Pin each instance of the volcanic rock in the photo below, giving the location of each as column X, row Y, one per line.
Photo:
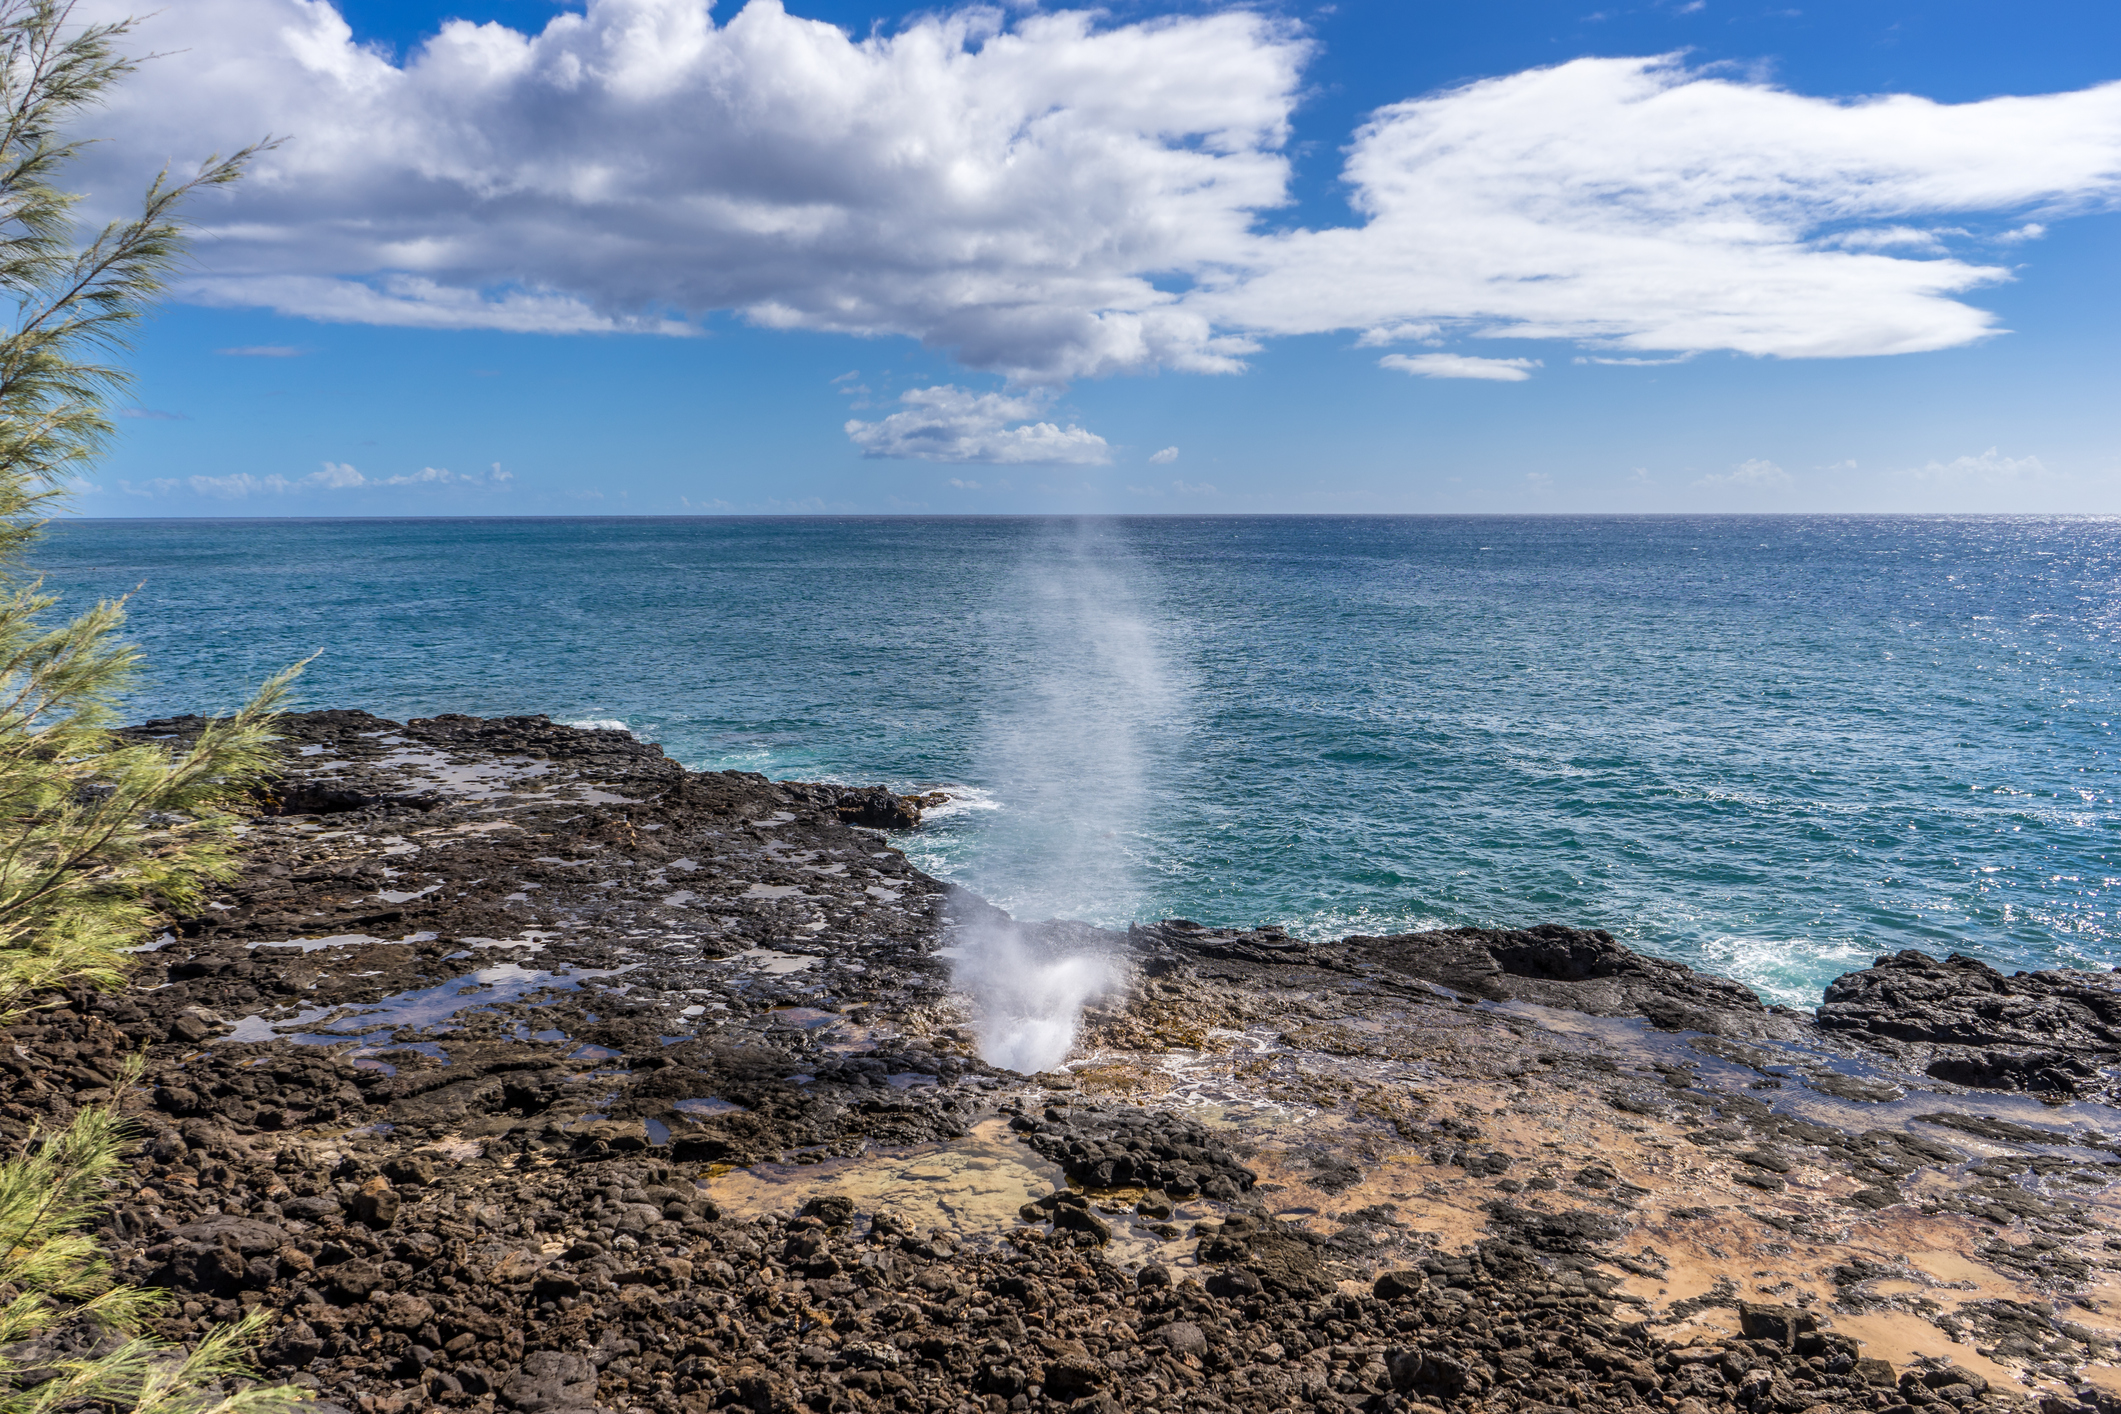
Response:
column 1964, row 1022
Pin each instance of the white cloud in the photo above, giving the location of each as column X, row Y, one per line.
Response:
column 1632, row 362
column 264, row 351
column 1887, row 238
column 1403, row 333
column 1758, row 474
column 1440, row 365
column 1005, row 192
column 1988, row 469
column 335, row 476
column 964, row 485
column 1635, row 203
column 153, row 415
column 1994, row 482
column 235, row 487
column 1163, row 458
column 1058, row 197
column 952, row 424
column 418, row 302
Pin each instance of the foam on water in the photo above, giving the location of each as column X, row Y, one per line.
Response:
column 599, row 724
column 964, row 800
column 1786, row 970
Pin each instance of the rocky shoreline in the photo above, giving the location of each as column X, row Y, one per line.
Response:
column 524, row 1070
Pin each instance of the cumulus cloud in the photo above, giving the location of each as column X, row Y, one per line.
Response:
column 1755, row 475
column 1988, row 469
column 1055, row 196
column 1163, row 458
column 952, row 424
column 334, row 476
column 1637, row 203
column 1442, row 365
column 1009, row 193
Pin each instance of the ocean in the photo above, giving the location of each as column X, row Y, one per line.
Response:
column 1769, row 747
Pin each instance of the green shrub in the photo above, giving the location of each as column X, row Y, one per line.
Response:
column 98, row 836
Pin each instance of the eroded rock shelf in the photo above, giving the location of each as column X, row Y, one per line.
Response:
column 522, row 1069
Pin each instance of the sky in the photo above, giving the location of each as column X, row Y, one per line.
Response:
column 517, row 257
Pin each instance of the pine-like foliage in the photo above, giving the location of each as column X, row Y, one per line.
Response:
column 64, row 1326
column 98, row 835
column 94, row 834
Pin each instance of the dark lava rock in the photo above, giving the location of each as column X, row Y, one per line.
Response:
column 1138, row 1148
column 1270, row 945
column 1582, row 969
column 550, row 1380
column 1781, row 1324
column 495, row 1196
column 871, row 807
column 1965, row 1023
column 1278, row 1257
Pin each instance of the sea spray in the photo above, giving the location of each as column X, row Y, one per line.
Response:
column 1079, row 701
column 1030, row 997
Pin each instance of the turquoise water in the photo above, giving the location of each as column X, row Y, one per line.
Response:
column 1768, row 747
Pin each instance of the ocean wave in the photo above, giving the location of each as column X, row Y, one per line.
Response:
column 600, row 724
column 964, row 800
column 1783, row 971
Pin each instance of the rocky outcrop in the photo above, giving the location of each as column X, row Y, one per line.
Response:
column 1582, row 969
column 1964, row 1022
column 1137, row 1148
column 453, row 1079
column 871, row 807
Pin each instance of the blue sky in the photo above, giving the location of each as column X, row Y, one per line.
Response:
column 518, row 293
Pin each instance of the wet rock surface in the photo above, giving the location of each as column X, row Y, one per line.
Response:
column 524, row 1070
column 1582, row 969
column 1961, row 1021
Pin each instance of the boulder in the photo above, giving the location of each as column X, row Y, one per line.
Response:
column 550, row 1380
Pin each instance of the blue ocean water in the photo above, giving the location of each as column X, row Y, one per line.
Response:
column 1769, row 747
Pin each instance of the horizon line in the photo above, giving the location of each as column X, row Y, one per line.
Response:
column 70, row 519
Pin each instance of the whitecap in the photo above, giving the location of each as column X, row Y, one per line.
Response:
column 964, row 800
